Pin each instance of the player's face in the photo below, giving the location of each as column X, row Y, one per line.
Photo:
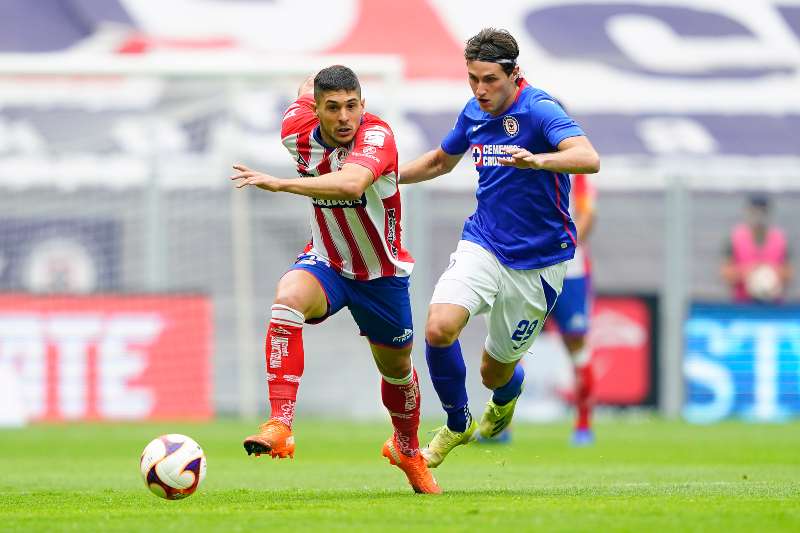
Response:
column 493, row 88
column 339, row 114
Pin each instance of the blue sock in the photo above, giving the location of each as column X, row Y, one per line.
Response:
column 509, row 391
column 449, row 375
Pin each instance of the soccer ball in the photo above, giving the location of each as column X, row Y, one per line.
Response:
column 173, row 466
column 763, row 283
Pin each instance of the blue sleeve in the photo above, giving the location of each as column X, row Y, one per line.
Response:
column 555, row 124
column 456, row 142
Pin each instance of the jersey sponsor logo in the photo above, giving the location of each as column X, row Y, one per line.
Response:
column 378, row 127
column 311, row 259
column 368, row 156
column 337, row 158
column 330, row 204
column 489, row 155
column 578, row 321
column 477, row 154
column 511, row 125
column 404, row 336
column 279, row 348
column 369, row 150
column 292, row 111
column 391, row 232
column 374, row 137
column 278, row 330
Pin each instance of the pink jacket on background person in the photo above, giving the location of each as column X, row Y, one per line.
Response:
column 747, row 254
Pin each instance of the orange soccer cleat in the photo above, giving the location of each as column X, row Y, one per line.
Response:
column 273, row 437
column 415, row 469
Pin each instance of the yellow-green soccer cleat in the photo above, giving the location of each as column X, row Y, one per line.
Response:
column 445, row 440
column 496, row 418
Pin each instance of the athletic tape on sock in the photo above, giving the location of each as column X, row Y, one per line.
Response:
column 400, row 381
column 284, row 314
column 581, row 357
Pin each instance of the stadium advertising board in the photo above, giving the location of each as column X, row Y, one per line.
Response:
column 623, row 350
column 64, row 255
column 108, row 357
column 624, row 344
column 742, row 361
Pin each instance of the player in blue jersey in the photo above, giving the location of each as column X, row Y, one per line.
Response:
column 511, row 259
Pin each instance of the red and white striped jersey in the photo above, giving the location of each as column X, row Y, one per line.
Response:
column 361, row 239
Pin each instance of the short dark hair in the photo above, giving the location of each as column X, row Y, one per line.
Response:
column 335, row 78
column 758, row 201
column 495, row 46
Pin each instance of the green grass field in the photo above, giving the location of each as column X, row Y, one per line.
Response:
column 641, row 476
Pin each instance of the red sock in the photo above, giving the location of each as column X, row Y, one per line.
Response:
column 402, row 402
column 584, row 384
column 285, row 357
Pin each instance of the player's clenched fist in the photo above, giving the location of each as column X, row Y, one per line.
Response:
column 247, row 176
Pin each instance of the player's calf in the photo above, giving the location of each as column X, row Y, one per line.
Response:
column 500, row 409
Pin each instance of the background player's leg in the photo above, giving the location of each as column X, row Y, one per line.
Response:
column 584, row 384
column 572, row 314
column 446, row 363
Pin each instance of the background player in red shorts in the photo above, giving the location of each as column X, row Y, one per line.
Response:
column 347, row 160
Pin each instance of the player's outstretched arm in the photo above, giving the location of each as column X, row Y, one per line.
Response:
column 575, row 155
column 428, row 166
column 346, row 184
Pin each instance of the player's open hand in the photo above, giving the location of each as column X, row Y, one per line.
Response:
column 247, row 177
column 520, row 158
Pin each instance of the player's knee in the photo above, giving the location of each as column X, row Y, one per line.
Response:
column 443, row 326
column 441, row 332
column 395, row 367
column 574, row 342
column 300, row 291
column 292, row 301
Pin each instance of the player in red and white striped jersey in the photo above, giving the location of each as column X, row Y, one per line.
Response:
column 363, row 241
column 347, row 163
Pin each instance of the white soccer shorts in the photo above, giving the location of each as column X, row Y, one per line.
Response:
column 517, row 301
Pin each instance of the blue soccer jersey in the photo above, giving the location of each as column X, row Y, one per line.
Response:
column 522, row 215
